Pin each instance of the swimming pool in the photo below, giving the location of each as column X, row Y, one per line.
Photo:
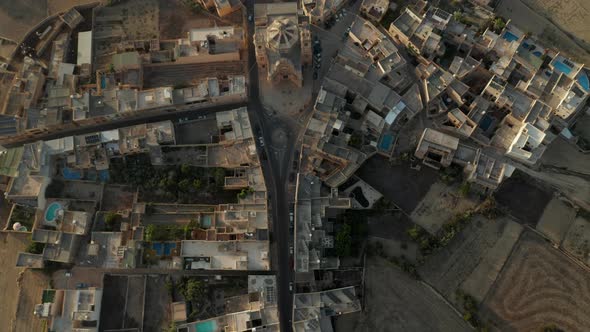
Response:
column 584, row 82
column 163, row 248
column 208, row 326
column 206, row 221
column 385, row 143
column 70, row 174
column 509, row 36
column 53, row 211
column 562, row 67
column 485, row 122
column 538, row 54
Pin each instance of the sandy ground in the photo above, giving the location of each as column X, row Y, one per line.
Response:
column 577, row 240
column 563, row 154
column 18, row 17
column 57, row 6
column 394, row 302
column 539, row 286
column 571, row 16
column 573, row 187
column 440, row 205
column 473, row 259
column 556, row 220
column 533, row 21
column 16, row 311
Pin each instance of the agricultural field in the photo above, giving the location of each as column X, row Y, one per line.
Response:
column 395, row 302
column 539, row 287
column 473, row 259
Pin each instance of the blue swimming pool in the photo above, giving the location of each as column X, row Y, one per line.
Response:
column 486, row 122
column 163, row 248
column 509, row 36
column 562, row 67
column 70, row 174
column 103, row 82
column 206, row 221
column 385, row 143
column 208, row 326
column 584, row 82
column 52, row 211
column 103, row 175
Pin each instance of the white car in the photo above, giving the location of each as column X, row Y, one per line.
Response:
column 291, row 286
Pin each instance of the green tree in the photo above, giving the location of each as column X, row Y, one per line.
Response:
column 150, row 232
column 184, row 185
column 185, row 169
column 35, row 248
column 465, row 189
column 111, row 219
column 498, row 24
column 197, row 184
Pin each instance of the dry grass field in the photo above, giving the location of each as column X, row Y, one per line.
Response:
column 538, row 287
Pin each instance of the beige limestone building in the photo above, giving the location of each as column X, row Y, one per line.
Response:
column 283, row 42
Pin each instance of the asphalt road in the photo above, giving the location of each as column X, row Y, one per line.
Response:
column 275, row 170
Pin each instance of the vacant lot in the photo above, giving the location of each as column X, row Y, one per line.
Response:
column 122, row 302
column 441, row 204
column 523, row 198
column 18, row 302
column 196, row 131
column 395, row 302
column 538, row 287
column 117, row 198
column 157, row 304
column 399, row 184
column 473, row 259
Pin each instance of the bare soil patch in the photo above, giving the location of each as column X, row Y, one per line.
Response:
column 523, row 198
column 441, row 203
column 577, row 240
column 538, row 287
column 398, row 183
column 556, row 220
column 20, row 292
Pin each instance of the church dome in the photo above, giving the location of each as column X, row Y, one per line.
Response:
column 282, row 34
